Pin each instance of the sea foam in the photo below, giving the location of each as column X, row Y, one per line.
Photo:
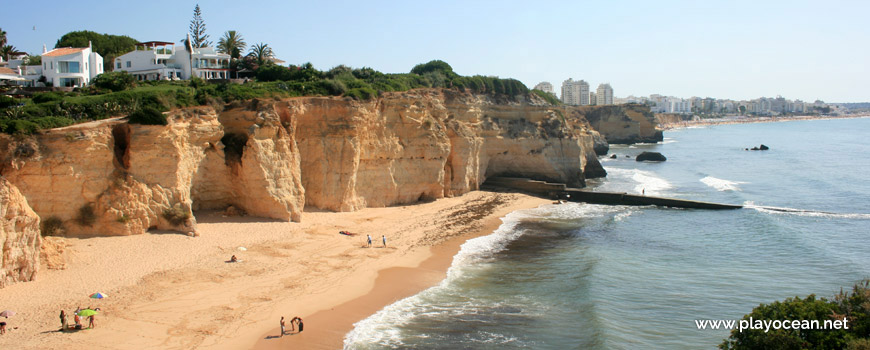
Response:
column 721, row 185
column 805, row 212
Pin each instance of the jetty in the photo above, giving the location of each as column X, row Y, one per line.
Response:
column 562, row 192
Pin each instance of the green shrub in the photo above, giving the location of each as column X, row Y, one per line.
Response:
column 46, row 97
column 361, row 93
column 273, row 73
column 6, row 101
column 148, row 116
column 433, row 66
column 333, row 87
column 115, row 81
column 86, row 215
column 854, row 306
column 51, row 226
column 176, row 215
column 550, row 98
column 18, row 126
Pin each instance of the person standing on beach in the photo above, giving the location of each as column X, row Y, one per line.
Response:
column 282, row 326
column 62, row 320
column 384, row 238
column 368, row 240
column 299, row 320
column 91, row 321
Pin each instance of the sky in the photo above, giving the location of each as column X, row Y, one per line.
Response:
column 737, row 49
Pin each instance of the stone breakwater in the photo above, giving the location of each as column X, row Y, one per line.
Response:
column 271, row 158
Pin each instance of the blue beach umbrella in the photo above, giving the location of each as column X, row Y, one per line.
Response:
column 99, row 295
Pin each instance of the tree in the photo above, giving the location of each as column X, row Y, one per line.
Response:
column 107, row 45
column 2, row 37
column 261, row 53
column 6, row 51
column 33, row 60
column 434, row 66
column 198, row 36
column 231, row 43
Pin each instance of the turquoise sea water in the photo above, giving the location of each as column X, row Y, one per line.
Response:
column 585, row 276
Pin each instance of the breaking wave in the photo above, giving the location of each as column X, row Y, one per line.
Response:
column 722, row 185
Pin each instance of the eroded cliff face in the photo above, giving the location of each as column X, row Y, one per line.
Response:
column 19, row 236
column 622, row 124
column 427, row 144
column 270, row 158
column 114, row 178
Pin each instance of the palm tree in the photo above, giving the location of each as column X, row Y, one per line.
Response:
column 232, row 43
column 6, row 51
column 2, row 37
column 261, row 53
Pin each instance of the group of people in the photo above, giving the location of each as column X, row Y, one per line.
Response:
column 369, row 240
column 297, row 321
column 64, row 321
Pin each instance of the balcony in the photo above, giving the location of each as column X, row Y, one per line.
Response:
column 211, row 66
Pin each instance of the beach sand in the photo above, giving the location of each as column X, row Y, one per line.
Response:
column 171, row 291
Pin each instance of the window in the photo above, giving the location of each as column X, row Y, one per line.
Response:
column 68, row 67
column 69, row 82
column 129, row 64
column 118, row 65
column 86, row 66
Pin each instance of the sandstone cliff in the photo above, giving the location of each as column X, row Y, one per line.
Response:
column 114, row 178
column 273, row 157
column 19, row 236
column 623, row 124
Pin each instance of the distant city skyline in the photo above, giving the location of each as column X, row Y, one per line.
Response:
column 737, row 50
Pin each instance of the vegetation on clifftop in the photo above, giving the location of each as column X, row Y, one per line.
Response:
column 118, row 94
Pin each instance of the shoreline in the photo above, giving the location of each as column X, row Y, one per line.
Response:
column 171, row 291
column 723, row 121
column 327, row 327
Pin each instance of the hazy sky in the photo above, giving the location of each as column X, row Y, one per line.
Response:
column 725, row 49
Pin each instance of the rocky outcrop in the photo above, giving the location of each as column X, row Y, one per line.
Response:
column 623, row 124
column 650, row 157
column 19, row 237
column 270, row 158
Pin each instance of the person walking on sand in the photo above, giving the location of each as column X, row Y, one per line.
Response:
column 368, row 240
column 91, row 322
column 282, row 326
column 62, row 320
column 384, row 238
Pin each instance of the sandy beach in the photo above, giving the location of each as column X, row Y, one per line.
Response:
column 171, row 291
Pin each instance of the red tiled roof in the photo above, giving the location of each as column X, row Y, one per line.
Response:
column 63, row 51
column 7, row 71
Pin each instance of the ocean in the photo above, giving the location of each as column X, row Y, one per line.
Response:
column 584, row 276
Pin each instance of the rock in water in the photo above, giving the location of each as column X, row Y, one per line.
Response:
column 650, row 157
column 763, row 147
column 613, row 156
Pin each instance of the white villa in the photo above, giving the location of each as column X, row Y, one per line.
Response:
column 155, row 60
column 71, row 66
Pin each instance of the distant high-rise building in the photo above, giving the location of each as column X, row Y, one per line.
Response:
column 593, row 100
column 575, row 93
column 604, row 95
column 545, row 86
